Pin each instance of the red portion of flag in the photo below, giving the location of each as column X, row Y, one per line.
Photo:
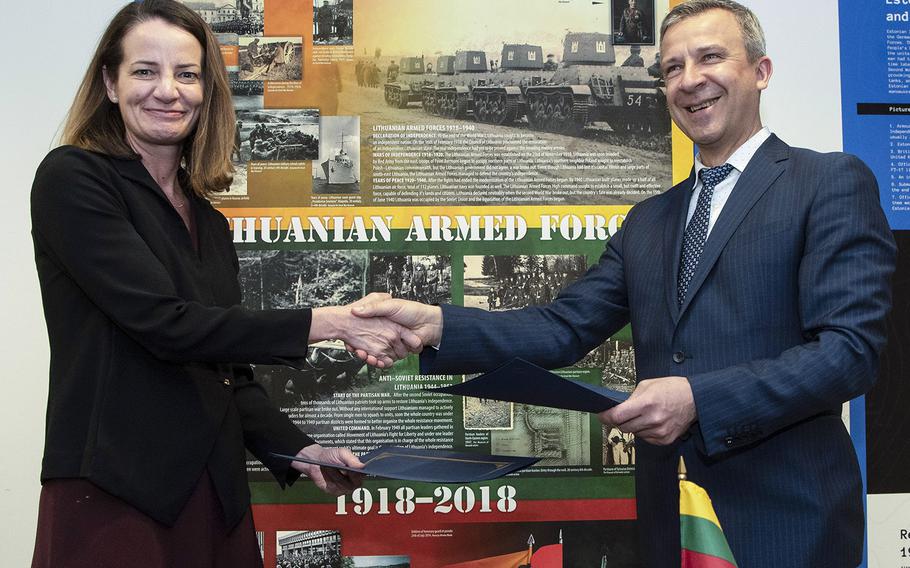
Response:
column 692, row 559
column 549, row 556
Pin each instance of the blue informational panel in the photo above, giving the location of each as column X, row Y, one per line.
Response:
column 875, row 78
column 875, row 71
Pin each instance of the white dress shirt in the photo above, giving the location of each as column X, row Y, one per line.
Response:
column 739, row 160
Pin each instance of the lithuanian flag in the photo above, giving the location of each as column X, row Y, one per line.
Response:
column 703, row 542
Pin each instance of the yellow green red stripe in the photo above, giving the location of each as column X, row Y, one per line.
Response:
column 700, row 533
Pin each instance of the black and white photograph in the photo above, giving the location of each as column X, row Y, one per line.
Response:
column 270, row 58
column 281, row 279
column 333, row 22
column 231, row 17
column 568, row 129
column 426, row 278
column 616, row 357
column 633, row 22
column 618, row 363
column 308, row 549
column 247, row 96
column 508, row 282
column 246, row 90
column 276, row 134
column 485, row 413
column 378, row 562
column 328, row 368
column 368, row 74
column 560, row 438
column 618, row 448
column 338, row 168
column 272, row 279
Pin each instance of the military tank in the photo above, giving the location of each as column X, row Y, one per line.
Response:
column 492, row 97
column 587, row 88
column 444, row 97
column 406, row 87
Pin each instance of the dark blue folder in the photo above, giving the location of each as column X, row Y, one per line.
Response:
column 524, row 382
column 435, row 466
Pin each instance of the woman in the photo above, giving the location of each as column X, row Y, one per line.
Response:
column 151, row 396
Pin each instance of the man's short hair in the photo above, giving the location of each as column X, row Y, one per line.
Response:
column 753, row 36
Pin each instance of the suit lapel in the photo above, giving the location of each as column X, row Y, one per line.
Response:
column 673, row 236
column 764, row 168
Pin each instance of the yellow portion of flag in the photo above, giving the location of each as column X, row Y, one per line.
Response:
column 694, row 501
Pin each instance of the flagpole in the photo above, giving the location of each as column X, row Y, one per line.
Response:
column 681, row 471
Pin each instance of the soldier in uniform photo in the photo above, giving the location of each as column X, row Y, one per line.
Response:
column 550, row 64
column 632, row 24
column 634, row 59
column 325, row 16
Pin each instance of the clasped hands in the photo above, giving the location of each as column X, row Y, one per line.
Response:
column 378, row 328
column 385, row 329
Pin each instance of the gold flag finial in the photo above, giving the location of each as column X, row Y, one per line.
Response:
column 682, row 468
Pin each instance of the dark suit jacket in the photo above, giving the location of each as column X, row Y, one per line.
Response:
column 144, row 333
column 784, row 322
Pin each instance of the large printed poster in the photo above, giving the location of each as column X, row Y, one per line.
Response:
column 875, row 68
column 478, row 153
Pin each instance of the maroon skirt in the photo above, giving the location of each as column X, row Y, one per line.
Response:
column 81, row 526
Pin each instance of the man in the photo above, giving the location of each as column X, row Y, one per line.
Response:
column 245, row 7
column 419, row 283
column 635, row 59
column 432, row 283
column 252, row 51
column 235, row 151
column 550, row 64
column 757, row 292
column 325, row 16
column 391, row 279
column 341, row 25
column 392, row 72
column 631, row 24
column 654, row 68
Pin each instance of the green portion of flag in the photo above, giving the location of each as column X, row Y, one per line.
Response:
column 701, row 535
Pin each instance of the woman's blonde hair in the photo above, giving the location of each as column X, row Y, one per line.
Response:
column 94, row 122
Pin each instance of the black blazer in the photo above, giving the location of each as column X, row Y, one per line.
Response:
column 145, row 333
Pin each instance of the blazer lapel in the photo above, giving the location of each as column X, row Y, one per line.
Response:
column 134, row 170
column 673, row 237
column 764, row 168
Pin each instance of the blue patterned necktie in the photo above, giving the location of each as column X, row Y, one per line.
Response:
column 697, row 230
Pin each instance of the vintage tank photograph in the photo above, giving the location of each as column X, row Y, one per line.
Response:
column 504, row 108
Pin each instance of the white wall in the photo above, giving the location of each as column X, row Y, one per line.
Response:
column 49, row 45
column 802, row 104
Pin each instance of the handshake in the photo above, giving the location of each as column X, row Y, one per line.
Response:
column 380, row 329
